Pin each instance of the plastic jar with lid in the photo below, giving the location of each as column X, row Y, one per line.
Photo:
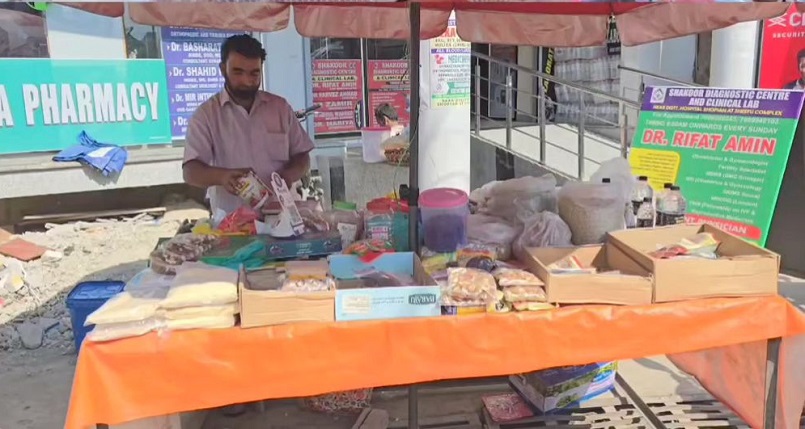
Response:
column 444, row 218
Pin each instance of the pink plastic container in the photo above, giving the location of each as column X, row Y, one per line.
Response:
column 444, row 218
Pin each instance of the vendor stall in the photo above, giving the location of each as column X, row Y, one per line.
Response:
column 192, row 369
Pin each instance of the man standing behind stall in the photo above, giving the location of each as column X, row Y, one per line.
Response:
column 243, row 129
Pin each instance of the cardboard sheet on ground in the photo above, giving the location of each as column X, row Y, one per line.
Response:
column 155, row 375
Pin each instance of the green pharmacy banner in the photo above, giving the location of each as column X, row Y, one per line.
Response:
column 726, row 148
column 45, row 104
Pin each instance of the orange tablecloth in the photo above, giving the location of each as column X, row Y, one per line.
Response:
column 180, row 371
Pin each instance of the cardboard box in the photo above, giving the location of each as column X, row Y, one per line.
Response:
column 265, row 305
column 566, row 387
column 632, row 288
column 744, row 269
column 355, row 302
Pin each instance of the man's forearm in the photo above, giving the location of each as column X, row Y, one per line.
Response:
column 200, row 175
column 296, row 168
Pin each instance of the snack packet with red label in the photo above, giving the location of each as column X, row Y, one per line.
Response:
column 240, row 221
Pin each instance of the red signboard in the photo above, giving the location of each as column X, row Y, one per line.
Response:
column 782, row 61
column 337, row 86
column 388, row 82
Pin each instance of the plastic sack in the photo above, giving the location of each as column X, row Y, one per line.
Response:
column 128, row 306
column 118, row 331
column 211, row 322
column 494, row 231
column 544, row 229
column 498, row 198
column 591, row 210
column 347, row 402
column 516, row 277
column 619, row 172
column 206, row 311
column 199, row 285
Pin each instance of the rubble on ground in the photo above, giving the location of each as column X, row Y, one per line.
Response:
column 33, row 313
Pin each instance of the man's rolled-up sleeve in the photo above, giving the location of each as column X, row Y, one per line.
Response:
column 299, row 140
column 198, row 141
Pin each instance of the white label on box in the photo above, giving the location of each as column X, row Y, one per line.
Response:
column 357, row 304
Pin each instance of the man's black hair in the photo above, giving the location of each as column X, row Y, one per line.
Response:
column 243, row 44
column 801, row 55
column 385, row 111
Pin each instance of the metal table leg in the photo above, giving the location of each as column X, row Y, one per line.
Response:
column 413, row 407
column 772, row 375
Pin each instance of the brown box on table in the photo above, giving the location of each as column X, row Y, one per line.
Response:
column 632, row 287
column 743, row 268
column 263, row 304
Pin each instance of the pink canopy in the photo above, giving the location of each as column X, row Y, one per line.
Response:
column 558, row 24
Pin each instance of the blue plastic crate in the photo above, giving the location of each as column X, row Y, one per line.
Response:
column 85, row 298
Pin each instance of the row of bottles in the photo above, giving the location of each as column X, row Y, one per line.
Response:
column 643, row 210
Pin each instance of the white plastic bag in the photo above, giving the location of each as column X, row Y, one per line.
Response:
column 619, row 173
column 591, row 210
column 537, row 192
column 544, row 229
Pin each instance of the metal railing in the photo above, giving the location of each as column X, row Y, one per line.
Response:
column 548, row 131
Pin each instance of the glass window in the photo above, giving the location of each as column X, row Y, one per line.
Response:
column 388, row 79
column 142, row 41
column 337, row 84
column 23, row 32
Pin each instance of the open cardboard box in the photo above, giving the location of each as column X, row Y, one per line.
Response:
column 355, row 301
column 263, row 304
column 742, row 269
column 632, row 287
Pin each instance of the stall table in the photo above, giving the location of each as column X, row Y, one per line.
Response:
column 172, row 372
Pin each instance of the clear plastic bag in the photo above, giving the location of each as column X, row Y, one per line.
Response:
column 494, row 231
column 469, row 287
column 118, row 331
column 591, row 210
column 515, row 294
column 347, row 402
column 498, row 198
column 544, row 229
column 516, row 277
column 128, row 306
column 199, row 285
column 211, row 322
column 199, row 312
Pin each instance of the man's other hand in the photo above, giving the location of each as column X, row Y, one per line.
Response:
column 229, row 178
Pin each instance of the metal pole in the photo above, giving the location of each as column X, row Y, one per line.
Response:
column 541, row 105
column 625, row 135
column 772, row 375
column 543, row 118
column 477, row 97
column 581, row 135
column 413, row 169
column 509, row 108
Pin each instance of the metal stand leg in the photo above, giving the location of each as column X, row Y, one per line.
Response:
column 642, row 408
column 413, row 407
column 772, row 374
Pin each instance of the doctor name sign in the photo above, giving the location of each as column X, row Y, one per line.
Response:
column 45, row 104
